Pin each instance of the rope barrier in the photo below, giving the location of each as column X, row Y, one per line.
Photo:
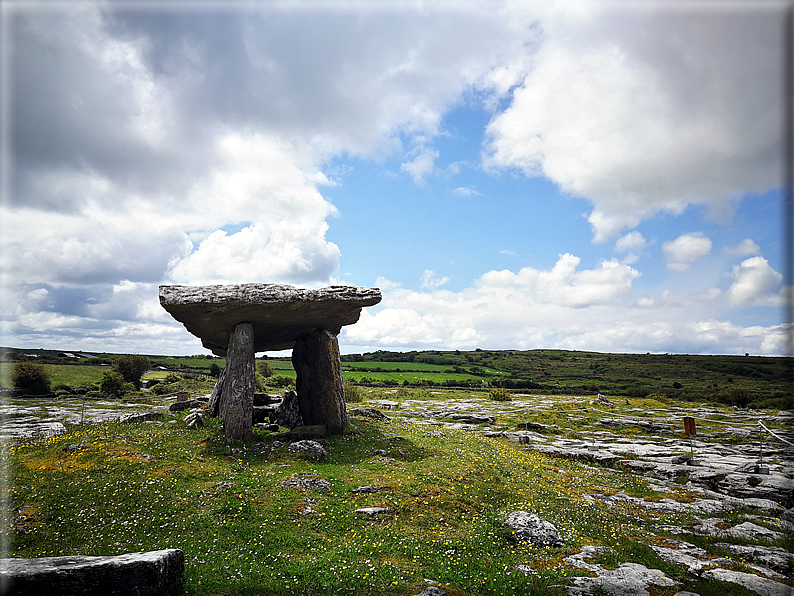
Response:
column 779, row 438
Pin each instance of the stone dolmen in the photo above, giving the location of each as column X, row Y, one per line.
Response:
column 237, row 321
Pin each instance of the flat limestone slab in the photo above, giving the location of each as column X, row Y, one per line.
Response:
column 280, row 314
column 152, row 573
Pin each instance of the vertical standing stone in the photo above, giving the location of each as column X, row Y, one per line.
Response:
column 217, row 393
column 320, row 388
column 237, row 396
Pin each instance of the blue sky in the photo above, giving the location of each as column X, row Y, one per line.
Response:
column 558, row 174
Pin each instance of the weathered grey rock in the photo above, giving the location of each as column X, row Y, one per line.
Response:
column 215, row 396
column 151, row 573
column 279, row 314
column 321, row 389
column 368, row 489
column 368, row 413
column 528, row 527
column 372, row 511
column 142, row 417
column 316, row 432
column 773, row 557
column 629, row 579
column 179, row 406
column 306, row 482
column 689, row 555
column 755, row 583
column 311, row 447
column 288, row 413
column 472, row 418
column 237, row 396
column 262, row 414
column 432, row 591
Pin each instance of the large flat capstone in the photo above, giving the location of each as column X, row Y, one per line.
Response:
column 279, row 314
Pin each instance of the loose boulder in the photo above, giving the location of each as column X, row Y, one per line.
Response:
column 528, row 527
column 153, row 573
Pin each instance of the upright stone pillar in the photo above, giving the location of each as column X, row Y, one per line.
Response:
column 237, row 395
column 320, row 388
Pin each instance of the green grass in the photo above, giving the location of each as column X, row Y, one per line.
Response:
column 448, row 493
column 74, row 375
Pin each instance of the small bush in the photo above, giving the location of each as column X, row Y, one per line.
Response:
column 172, row 378
column 280, row 381
column 63, row 388
column 264, row 369
column 112, row 384
column 131, row 367
column 215, row 370
column 30, row 378
column 353, row 393
column 500, row 394
column 160, row 389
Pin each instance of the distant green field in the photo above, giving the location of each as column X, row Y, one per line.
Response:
column 393, row 366
column 285, row 364
column 188, row 362
column 64, row 374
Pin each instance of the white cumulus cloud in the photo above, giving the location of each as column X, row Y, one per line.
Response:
column 755, row 282
column 745, row 248
column 681, row 252
column 636, row 112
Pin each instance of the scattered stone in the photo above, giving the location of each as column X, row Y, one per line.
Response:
column 689, row 555
column 473, row 419
column 604, row 400
column 195, row 419
column 432, row 591
column 629, row 579
column 141, row 417
column 384, row 460
column 532, row 426
column 178, row 406
column 750, row 531
column 267, row 427
column 224, row 485
column 385, row 404
column 153, row 573
column 315, row 432
column 368, row 413
column 369, row 489
column 760, row 585
column 306, row 482
column 773, row 557
column 372, row 511
column 74, row 448
column 311, row 447
column 528, row 527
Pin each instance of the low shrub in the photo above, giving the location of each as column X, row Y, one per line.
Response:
column 112, row 384
column 353, row 393
column 280, row 381
column 30, row 378
column 500, row 394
